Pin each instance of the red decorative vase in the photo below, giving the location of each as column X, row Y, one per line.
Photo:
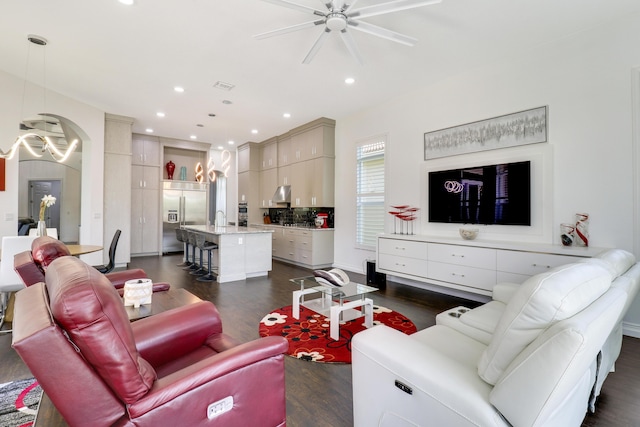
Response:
column 170, row 168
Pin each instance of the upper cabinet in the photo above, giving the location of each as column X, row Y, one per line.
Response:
column 269, row 154
column 313, row 140
column 249, row 157
column 284, row 150
column 145, row 150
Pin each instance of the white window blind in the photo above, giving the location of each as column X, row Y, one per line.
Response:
column 369, row 192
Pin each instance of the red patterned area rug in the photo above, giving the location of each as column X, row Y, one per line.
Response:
column 309, row 336
column 19, row 402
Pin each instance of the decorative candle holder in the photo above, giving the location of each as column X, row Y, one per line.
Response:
column 567, row 234
column 582, row 229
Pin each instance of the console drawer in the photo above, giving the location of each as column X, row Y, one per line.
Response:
column 462, row 255
column 462, row 275
column 404, row 265
column 530, row 263
column 403, row 248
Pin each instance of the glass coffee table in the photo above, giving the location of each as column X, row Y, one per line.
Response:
column 338, row 303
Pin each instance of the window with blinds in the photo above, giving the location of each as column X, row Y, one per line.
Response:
column 369, row 192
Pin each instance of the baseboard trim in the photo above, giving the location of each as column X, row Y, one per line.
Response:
column 631, row 329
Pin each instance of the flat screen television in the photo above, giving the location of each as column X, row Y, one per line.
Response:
column 493, row 194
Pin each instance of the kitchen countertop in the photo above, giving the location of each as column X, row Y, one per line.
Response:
column 295, row 227
column 226, row 229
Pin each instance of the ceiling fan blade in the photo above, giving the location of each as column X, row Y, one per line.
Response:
column 382, row 32
column 348, row 6
column 316, row 46
column 289, row 29
column 337, row 5
column 352, row 47
column 392, row 6
column 296, row 6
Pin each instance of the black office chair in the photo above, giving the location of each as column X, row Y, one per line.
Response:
column 104, row 269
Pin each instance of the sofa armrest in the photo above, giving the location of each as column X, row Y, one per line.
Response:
column 504, row 291
column 173, row 333
column 27, row 269
column 445, row 392
column 206, row 377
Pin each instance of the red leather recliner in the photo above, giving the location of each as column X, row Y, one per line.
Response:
column 31, row 265
column 174, row 368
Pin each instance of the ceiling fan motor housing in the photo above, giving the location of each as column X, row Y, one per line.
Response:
column 336, row 21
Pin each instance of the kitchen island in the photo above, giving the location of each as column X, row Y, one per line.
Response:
column 242, row 251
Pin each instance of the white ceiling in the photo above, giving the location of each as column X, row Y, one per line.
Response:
column 126, row 59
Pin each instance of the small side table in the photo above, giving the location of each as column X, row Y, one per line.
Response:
column 332, row 302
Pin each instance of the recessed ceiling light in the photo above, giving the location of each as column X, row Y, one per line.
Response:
column 286, row 115
column 231, row 142
column 220, row 147
column 160, row 114
column 179, row 89
column 254, row 131
column 349, row 80
column 149, row 130
column 193, row 137
column 127, row 2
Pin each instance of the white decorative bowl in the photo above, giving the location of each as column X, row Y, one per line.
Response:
column 469, row 233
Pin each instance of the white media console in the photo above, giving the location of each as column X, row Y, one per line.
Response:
column 470, row 265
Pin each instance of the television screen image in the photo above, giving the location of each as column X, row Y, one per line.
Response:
column 494, row 194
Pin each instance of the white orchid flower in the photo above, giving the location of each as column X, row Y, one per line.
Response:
column 49, row 200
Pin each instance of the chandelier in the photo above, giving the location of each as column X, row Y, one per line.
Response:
column 35, row 143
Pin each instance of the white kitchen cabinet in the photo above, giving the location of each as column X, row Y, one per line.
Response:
column 311, row 248
column 315, row 139
column 249, row 192
column 145, row 210
column 472, row 266
column 145, row 150
column 268, row 185
column 284, row 175
column 269, row 155
column 284, row 150
column 312, row 183
column 249, row 157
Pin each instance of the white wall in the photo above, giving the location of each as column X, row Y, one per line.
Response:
column 90, row 119
column 585, row 80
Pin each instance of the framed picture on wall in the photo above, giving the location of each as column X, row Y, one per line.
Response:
column 510, row 130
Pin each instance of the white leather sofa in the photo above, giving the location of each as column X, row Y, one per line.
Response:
column 479, row 323
column 531, row 362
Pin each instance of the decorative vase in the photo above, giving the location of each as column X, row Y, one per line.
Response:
column 183, row 173
column 582, row 229
column 41, row 230
column 170, row 168
column 567, row 234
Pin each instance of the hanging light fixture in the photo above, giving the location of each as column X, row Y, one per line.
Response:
column 33, row 142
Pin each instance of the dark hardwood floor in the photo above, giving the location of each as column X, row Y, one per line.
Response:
column 319, row 394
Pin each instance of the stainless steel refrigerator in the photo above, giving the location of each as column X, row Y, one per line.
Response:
column 183, row 203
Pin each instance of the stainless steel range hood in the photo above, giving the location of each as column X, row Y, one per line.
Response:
column 282, row 194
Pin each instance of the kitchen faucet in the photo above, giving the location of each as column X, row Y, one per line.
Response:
column 224, row 219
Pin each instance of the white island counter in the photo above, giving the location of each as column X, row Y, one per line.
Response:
column 242, row 251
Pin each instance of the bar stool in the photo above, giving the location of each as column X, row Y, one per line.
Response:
column 200, row 270
column 190, row 237
column 204, row 245
column 180, row 237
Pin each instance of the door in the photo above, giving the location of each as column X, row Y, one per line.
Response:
column 37, row 190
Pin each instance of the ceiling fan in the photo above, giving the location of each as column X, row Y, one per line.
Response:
column 340, row 17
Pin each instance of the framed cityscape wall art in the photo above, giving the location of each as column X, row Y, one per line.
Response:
column 510, row 130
